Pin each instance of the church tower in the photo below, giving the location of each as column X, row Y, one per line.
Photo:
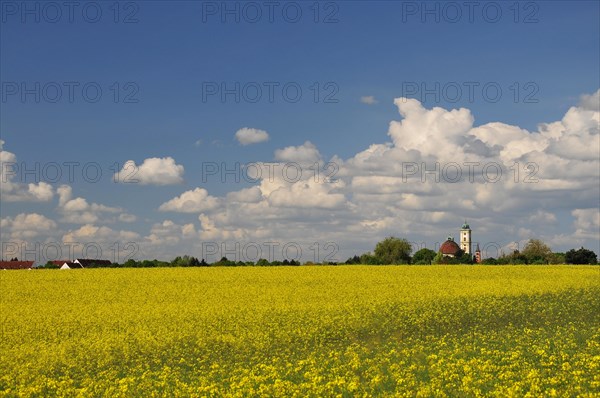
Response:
column 465, row 238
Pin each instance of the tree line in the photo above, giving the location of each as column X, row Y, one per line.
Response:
column 394, row 250
column 391, row 250
column 184, row 261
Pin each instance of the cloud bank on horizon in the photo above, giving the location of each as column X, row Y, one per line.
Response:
column 437, row 169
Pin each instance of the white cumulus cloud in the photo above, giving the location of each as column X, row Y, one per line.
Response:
column 194, row 201
column 79, row 210
column 304, row 154
column 248, row 136
column 152, row 171
column 28, row 225
column 13, row 190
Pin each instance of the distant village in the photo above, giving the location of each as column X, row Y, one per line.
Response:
column 389, row 251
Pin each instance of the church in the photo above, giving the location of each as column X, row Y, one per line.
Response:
column 450, row 248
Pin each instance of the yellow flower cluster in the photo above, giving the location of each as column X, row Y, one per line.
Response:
column 349, row 331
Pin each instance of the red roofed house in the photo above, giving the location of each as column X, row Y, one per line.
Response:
column 16, row 264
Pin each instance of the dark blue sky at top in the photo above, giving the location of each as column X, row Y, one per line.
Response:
column 374, row 49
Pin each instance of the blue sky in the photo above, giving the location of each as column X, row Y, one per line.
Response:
column 368, row 54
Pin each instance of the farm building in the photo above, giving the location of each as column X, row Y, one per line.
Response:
column 91, row 263
column 70, row 265
column 16, row 264
column 58, row 263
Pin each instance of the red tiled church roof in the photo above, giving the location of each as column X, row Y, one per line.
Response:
column 449, row 247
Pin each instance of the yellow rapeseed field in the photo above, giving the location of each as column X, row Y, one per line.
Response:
column 311, row 331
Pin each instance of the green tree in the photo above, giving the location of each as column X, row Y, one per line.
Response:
column 177, row 261
column 49, row 265
column 148, row 264
column 515, row 257
column 369, row 259
column 393, row 250
column 353, row 260
column 536, row 252
column 131, row 263
column 465, row 258
column 459, row 258
column 423, row 256
column 557, row 258
column 580, row 256
column 194, row 262
column 185, row 261
column 224, row 261
column 489, row 261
